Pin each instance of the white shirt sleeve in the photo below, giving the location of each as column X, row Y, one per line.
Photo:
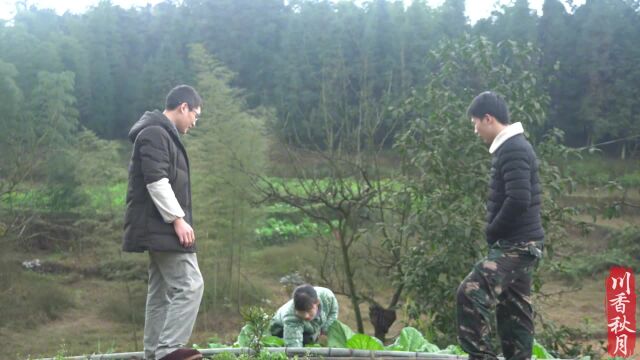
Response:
column 165, row 200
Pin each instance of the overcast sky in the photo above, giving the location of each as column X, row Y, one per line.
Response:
column 476, row 9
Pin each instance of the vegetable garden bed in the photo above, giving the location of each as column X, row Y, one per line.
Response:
column 325, row 353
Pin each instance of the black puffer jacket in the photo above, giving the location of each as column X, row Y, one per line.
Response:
column 157, row 153
column 515, row 196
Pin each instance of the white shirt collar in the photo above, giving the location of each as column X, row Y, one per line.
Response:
column 504, row 135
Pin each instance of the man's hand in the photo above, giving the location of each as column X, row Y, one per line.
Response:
column 185, row 232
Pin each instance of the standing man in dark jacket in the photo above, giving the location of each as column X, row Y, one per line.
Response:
column 158, row 220
column 501, row 282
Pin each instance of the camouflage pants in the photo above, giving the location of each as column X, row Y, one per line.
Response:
column 501, row 282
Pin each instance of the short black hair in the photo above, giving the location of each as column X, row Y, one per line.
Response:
column 304, row 296
column 183, row 94
column 489, row 102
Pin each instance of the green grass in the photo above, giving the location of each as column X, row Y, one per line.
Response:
column 278, row 261
column 97, row 198
column 598, row 170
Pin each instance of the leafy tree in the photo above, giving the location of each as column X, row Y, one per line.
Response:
column 99, row 165
column 602, row 65
column 53, row 109
column 554, row 39
column 164, row 49
column 246, row 35
column 447, row 171
column 28, row 54
column 14, row 169
column 380, row 42
column 451, row 19
column 419, row 36
column 37, row 145
column 227, row 145
column 54, row 123
column 310, row 56
column 516, row 22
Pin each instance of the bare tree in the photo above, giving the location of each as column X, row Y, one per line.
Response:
column 343, row 184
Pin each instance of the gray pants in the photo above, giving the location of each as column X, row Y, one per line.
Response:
column 173, row 299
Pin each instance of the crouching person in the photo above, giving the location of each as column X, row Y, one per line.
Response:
column 306, row 317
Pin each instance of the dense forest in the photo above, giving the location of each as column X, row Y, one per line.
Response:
column 300, row 56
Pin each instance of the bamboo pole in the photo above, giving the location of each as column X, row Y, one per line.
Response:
column 325, row 353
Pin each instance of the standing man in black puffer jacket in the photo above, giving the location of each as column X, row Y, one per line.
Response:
column 501, row 282
column 158, row 220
